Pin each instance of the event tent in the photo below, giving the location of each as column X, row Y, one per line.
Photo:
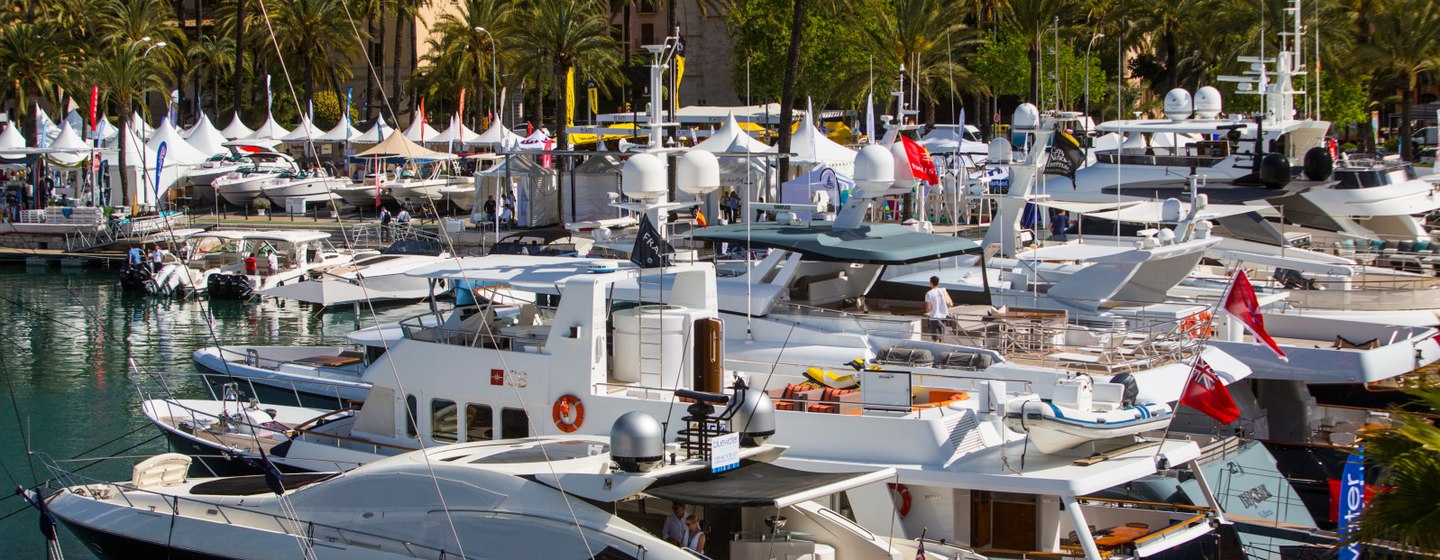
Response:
column 530, row 185
column 140, row 127
column 304, row 132
column 420, row 130
column 12, row 139
column 457, row 135
column 812, row 146
column 497, row 136
column 236, row 129
column 342, row 132
column 807, row 188
column 586, row 191
column 205, row 138
column 398, row 149
column 70, row 151
column 377, row 132
column 270, row 130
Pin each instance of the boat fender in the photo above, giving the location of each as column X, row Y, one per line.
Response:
column 1318, row 163
column 1131, row 391
column 568, row 413
column 904, row 493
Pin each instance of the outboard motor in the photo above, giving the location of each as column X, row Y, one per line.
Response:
column 1318, row 164
column 637, row 442
column 753, row 415
column 1131, row 392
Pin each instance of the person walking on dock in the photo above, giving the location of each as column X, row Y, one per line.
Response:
column 403, row 218
column 157, row 258
column 384, row 222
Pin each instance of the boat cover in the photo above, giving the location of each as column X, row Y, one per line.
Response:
column 756, row 484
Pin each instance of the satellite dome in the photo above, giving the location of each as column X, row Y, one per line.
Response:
column 1026, row 116
column 697, row 172
column 1207, row 102
column 873, row 164
column 643, row 177
column 1178, row 104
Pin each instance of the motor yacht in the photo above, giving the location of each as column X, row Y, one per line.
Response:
column 310, row 186
column 243, row 185
column 378, row 278
column 221, row 256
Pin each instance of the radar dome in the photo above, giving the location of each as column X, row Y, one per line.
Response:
column 1178, row 104
column 697, row 172
column 1207, row 102
column 637, row 442
column 874, row 164
column 643, row 177
column 1026, row 116
column 999, row 151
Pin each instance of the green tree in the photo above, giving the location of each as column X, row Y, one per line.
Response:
column 33, row 61
column 466, row 55
column 313, row 40
column 1037, row 21
column 930, row 39
column 836, row 51
column 1407, row 455
column 559, row 35
column 1404, row 52
column 123, row 72
column 212, row 57
column 997, row 61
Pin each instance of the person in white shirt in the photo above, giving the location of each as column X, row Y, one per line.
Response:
column 272, row 263
column 674, row 530
column 157, row 258
column 403, row 218
column 937, row 308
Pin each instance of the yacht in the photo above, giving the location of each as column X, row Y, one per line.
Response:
column 243, row 185
column 409, row 188
column 310, row 186
column 221, row 256
column 553, row 496
column 375, row 278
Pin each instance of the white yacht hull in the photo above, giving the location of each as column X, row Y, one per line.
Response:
column 241, row 191
column 361, row 196
column 312, row 190
column 277, row 367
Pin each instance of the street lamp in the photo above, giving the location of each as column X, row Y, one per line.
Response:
column 1087, row 73
column 494, row 70
column 144, row 165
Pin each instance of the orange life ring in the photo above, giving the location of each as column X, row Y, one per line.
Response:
column 1199, row 325
column 904, row 508
column 568, row 413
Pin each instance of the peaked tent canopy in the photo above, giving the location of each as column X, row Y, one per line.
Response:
column 105, row 131
column 11, row 139
column 497, row 135
column 731, row 138
column 177, row 150
column 420, row 130
column 377, row 132
column 397, row 148
column 70, row 150
column 341, row 132
column 236, row 129
column 77, row 122
column 810, row 145
column 270, row 130
column 47, row 126
column 304, row 132
column 458, row 133
column 140, row 127
column 205, row 138
column 530, row 185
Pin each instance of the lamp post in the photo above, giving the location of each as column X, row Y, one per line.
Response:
column 1087, row 73
column 494, row 70
column 145, row 165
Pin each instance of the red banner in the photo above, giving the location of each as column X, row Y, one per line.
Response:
column 94, row 100
column 921, row 166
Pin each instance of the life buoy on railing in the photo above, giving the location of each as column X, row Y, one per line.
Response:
column 568, row 413
column 1199, row 325
column 904, row 507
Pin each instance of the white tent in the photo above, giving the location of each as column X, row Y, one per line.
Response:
column 236, row 129
column 47, row 127
column 457, row 134
column 531, row 186
column 751, row 176
column 498, row 136
column 107, row 132
column 810, row 145
column 205, row 138
column 398, row 147
column 950, row 139
column 377, row 132
column 76, row 121
column 304, row 132
column 732, row 138
column 11, row 139
column 139, row 126
column 535, row 141
column 806, row 189
column 588, row 196
column 421, row 131
column 177, row 150
column 270, row 130
column 71, row 150
column 140, row 165
column 341, row 132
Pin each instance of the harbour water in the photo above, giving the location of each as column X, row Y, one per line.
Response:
column 66, row 339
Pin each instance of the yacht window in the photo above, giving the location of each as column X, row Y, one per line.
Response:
column 444, row 421
column 514, row 423
column 410, row 415
column 479, row 423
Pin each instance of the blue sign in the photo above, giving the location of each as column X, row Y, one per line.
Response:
column 159, row 165
column 1352, row 499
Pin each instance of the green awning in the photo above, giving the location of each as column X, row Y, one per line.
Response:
column 869, row 243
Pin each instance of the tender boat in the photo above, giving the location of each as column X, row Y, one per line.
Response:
column 1083, row 411
column 222, row 254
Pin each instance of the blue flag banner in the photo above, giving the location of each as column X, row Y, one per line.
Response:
column 1352, row 500
column 159, row 166
column 345, row 117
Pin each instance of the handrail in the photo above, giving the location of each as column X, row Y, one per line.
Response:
column 1186, row 524
column 1161, row 506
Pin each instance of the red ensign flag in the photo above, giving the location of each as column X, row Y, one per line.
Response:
column 1206, row 393
column 1241, row 304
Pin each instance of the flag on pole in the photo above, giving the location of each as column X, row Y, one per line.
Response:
column 460, row 112
column 1351, row 502
column 94, row 101
column 345, row 117
column 1241, row 304
column 570, row 97
column 921, row 166
column 700, row 218
column 269, row 94
column 869, row 127
column 159, row 166
column 679, row 75
column 1206, row 393
column 423, row 120
column 379, row 180
column 594, row 95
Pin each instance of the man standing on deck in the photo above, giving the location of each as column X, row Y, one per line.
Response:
column 1058, row 225
column 674, row 530
column 272, row 263
column 937, row 308
column 157, row 258
column 136, row 255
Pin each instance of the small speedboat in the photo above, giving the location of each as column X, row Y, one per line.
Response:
column 1083, row 411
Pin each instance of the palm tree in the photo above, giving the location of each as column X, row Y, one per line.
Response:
column 467, row 53
column 930, row 39
column 1035, row 18
column 406, row 11
column 559, row 35
column 212, row 56
column 33, row 61
column 312, row 38
column 1408, row 456
column 123, row 71
column 1404, row 50
column 235, row 20
column 370, row 10
column 787, row 88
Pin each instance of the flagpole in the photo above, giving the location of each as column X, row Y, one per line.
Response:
column 1212, row 309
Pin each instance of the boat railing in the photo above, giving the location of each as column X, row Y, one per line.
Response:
column 168, row 384
column 251, row 357
column 1156, row 158
column 497, row 334
column 216, row 512
column 1180, row 518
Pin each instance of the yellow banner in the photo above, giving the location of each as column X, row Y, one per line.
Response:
column 679, row 75
column 570, row 97
column 594, row 100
